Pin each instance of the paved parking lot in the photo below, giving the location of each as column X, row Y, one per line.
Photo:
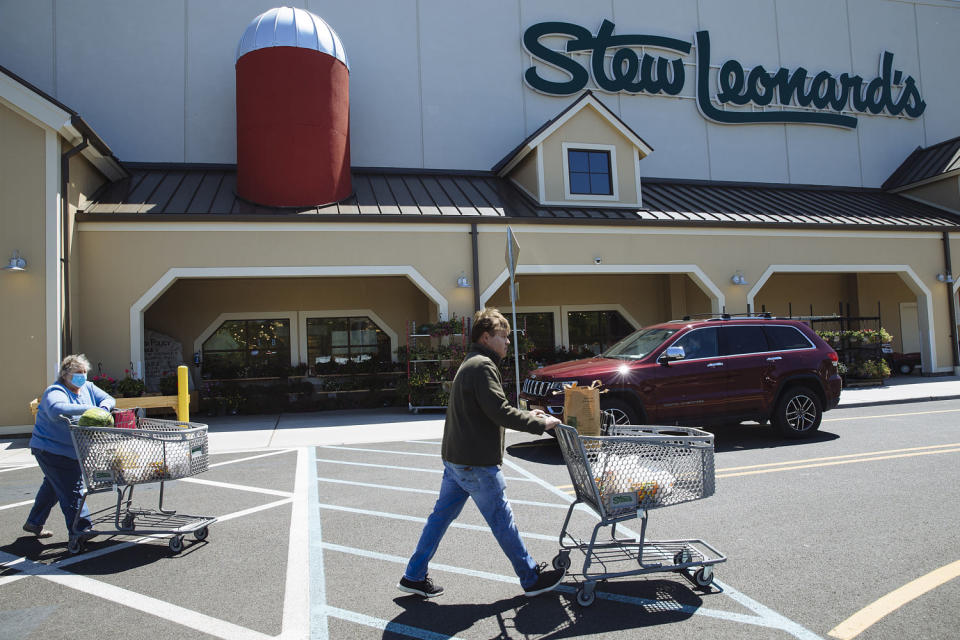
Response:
column 815, row 531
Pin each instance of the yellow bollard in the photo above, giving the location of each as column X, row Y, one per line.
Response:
column 183, row 395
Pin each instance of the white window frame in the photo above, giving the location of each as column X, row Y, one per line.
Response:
column 253, row 315
column 584, row 146
column 344, row 313
column 557, row 325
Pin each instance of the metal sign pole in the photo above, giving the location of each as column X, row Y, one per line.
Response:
column 513, row 252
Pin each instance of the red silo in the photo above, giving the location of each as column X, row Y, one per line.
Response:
column 293, row 111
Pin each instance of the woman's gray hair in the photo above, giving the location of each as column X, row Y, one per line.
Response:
column 72, row 363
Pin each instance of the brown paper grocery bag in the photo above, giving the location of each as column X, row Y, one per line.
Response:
column 581, row 408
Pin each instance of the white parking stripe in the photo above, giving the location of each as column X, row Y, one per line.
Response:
column 387, row 487
column 165, row 610
column 433, row 565
column 296, row 595
column 400, row 453
column 386, row 625
column 26, row 466
column 318, row 580
column 16, row 504
column 398, row 516
column 238, row 487
column 96, row 553
column 770, row 617
column 387, row 466
column 651, row 605
column 262, row 455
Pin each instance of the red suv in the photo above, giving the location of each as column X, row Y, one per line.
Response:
column 721, row 370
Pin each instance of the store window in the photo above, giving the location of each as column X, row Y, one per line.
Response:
column 538, row 328
column 342, row 340
column 247, row 349
column 595, row 331
column 590, row 172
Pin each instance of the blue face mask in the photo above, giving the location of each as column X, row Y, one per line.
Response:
column 78, row 379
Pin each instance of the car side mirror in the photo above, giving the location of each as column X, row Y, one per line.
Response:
column 671, row 354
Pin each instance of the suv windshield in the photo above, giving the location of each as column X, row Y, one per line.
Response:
column 638, row 345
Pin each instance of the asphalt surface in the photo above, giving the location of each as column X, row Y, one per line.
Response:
column 311, row 541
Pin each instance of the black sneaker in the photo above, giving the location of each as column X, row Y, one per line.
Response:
column 424, row 587
column 37, row 530
column 546, row 581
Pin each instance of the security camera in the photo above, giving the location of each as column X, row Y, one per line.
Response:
column 597, row 260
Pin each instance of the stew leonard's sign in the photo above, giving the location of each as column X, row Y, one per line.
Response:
column 822, row 98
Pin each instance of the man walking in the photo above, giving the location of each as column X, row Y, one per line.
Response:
column 472, row 453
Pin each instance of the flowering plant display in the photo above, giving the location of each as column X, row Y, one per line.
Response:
column 105, row 383
column 130, row 387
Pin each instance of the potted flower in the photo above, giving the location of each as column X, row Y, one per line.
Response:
column 130, row 387
column 105, row 383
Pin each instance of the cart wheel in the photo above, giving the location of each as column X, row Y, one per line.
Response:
column 585, row 598
column 681, row 557
column 75, row 544
column 703, row 576
column 562, row 561
column 128, row 523
column 201, row 534
column 176, row 544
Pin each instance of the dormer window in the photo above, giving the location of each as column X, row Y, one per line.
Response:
column 589, row 171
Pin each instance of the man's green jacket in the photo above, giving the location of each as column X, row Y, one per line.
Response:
column 478, row 411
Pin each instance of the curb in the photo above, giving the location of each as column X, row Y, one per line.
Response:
column 877, row 403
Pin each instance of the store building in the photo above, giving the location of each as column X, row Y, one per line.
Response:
column 653, row 159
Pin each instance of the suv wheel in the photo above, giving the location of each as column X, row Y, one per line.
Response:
column 619, row 411
column 798, row 413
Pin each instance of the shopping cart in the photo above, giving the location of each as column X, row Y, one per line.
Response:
column 623, row 475
column 119, row 458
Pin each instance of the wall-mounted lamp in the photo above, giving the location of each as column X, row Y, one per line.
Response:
column 462, row 281
column 944, row 277
column 738, row 278
column 16, row 263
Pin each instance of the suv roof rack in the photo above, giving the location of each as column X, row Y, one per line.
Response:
column 713, row 317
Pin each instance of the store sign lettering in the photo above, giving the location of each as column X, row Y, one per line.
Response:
column 824, row 96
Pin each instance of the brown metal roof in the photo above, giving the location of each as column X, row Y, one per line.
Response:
column 924, row 164
column 209, row 192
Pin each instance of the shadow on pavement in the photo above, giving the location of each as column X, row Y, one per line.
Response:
column 546, row 450
column 111, row 562
column 556, row 615
column 739, row 437
column 751, row 435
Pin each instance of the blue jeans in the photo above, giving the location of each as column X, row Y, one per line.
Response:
column 485, row 485
column 63, row 483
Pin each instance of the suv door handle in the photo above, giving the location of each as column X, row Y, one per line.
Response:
column 774, row 358
column 715, row 364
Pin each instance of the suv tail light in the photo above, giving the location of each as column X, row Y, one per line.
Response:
column 833, row 356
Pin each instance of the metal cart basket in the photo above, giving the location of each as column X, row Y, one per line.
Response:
column 155, row 451
column 623, row 475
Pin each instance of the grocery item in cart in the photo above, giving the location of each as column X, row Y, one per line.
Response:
column 95, row 417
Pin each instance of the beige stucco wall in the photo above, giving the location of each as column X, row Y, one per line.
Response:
column 117, row 267
column 22, row 322
column 719, row 254
column 645, row 298
column 190, row 306
column 655, row 274
column 588, row 127
column 84, row 180
column 945, row 193
column 525, row 174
